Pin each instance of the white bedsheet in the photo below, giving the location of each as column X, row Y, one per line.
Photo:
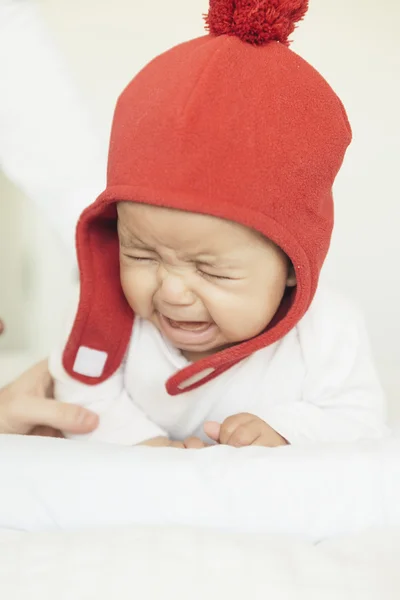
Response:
column 96, row 522
column 155, row 563
column 316, row 491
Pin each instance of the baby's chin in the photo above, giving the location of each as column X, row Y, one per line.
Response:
column 196, row 355
column 193, row 356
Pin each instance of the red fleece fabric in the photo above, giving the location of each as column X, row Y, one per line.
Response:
column 256, row 21
column 240, row 131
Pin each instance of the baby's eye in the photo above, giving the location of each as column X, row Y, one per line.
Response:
column 140, row 258
column 212, row 276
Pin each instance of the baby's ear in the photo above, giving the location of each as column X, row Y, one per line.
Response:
column 291, row 280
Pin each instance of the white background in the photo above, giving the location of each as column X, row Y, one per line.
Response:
column 354, row 43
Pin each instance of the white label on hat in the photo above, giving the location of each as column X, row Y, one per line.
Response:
column 195, row 379
column 90, row 362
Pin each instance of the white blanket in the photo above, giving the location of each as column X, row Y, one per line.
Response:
column 154, row 563
column 95, row 522
column 316, row 492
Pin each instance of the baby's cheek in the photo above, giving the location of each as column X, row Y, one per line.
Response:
column 245, row 319
column 232, row 319
column 137, row 289
column 261, row 312
column 127, row 281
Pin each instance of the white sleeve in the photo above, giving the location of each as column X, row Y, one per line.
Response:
column 48, row 147
column 342, row 399
column 121, row 421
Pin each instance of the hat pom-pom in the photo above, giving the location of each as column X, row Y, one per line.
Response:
column 256, row 21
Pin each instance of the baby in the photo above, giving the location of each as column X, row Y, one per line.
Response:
column 199, row 318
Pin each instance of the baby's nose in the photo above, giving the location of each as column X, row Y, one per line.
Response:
column 174, row 289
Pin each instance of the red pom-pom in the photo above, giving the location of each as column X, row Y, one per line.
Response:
column 256, row 21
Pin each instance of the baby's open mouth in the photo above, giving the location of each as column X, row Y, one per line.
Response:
column 189, row 325
column 185, row 334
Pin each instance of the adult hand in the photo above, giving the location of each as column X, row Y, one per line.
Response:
column 27, row 407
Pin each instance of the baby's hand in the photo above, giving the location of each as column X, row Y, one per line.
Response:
column 190, row 443
column 162, row 442
column 244, row 429
column 195, row 443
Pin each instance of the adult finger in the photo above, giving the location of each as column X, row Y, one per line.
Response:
column 27, row 412
column 42, row 431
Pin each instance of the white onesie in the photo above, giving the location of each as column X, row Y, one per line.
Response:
column 317, row 384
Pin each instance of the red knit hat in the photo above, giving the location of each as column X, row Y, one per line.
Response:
column 232, row 124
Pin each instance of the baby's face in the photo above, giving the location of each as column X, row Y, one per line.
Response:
column 205, row 283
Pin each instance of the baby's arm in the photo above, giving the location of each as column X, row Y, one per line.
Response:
column 342, row 399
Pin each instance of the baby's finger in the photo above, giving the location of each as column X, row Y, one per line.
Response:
column 270, row 439
column 231, row 424
column 194, row 443
column 177, row 444
column 245, row 435
column 212, row 430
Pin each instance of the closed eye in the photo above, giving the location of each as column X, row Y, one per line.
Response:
column 221, row 277
column 140, row 258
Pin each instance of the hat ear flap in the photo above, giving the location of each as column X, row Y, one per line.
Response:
column 103, row 323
